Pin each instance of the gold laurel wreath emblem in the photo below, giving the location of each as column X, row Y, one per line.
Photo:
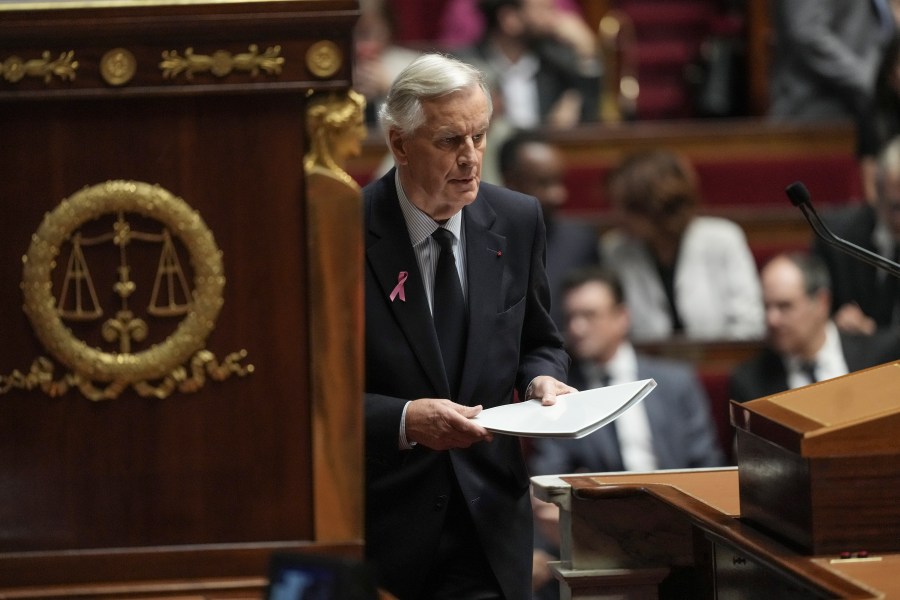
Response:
column 162, row 361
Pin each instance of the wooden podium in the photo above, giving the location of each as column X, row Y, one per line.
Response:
column 820, row 465
column 163, row 436
column 810, row 511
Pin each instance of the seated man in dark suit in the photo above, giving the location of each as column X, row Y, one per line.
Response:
column 866, row 298
column 803, row 343
column 531, row 165
column 671, row 429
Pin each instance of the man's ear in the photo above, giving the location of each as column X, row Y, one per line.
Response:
column 398, row 146
column 624, row 319
column 823, row 299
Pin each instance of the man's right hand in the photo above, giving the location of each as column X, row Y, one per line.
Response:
column 442, row 424
column 851, row 319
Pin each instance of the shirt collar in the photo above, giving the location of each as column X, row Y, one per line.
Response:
column 419, row 224
column 828, row 358
column 526, row 67
column 621, row 368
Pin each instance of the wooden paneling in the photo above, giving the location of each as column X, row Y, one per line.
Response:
column 622, row 529
column 138, row 471
column 204, row 484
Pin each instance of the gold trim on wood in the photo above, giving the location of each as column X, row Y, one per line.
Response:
column 14, row 69
column 118, row 66
column 222, row 63
column 198, row 305
column 324, row 58
column 335, row 122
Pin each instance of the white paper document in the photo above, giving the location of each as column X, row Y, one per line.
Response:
column 574, row 415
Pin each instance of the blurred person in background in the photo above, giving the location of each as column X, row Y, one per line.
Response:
column 803, row 345
column 866, row 298
column 462, row 23
column 684, row 274
column 671, row 429
column 532, row 165
column 544, row 66
column 825, row 56
column 378, row 59
column 881, row 122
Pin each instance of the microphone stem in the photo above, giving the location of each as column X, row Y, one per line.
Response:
column 867, row 256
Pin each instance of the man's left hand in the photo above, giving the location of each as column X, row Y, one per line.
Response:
column 546, row 389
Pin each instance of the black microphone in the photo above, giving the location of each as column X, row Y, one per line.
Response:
column 799, row 197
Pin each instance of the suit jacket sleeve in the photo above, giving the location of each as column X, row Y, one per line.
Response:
column 701, row 441
column 541, row 347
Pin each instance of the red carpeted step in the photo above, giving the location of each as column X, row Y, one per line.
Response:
column 668, row 35
column 663, row 101
column 657, row 54
column 661, row 17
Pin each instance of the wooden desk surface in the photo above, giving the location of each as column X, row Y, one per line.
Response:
column 716, row 488
column 709, row 499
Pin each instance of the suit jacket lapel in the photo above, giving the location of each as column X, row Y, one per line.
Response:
column 775, row 380
column 485, row 253
column 390, row 252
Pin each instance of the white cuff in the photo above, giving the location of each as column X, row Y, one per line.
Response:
column 405, row 444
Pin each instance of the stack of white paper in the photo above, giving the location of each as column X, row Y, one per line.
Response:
column 574, row 415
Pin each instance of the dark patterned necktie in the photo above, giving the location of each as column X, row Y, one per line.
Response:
column 615, row 461
column 449, row 310
column 808, row 368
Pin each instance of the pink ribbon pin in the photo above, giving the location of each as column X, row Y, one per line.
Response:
column 398, row 289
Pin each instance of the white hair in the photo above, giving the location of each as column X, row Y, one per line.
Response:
column 429, row 76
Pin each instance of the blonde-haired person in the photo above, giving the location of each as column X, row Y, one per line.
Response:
column 684, row 274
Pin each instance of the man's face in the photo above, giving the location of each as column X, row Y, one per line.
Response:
column 539, row 173
column 440, row 162
column 795, row 322
column 595, row 324
column 539, row 17
column 889, row 203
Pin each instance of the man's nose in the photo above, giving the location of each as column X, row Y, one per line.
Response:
column 467, row 154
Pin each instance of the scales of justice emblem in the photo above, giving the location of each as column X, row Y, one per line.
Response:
column 101, row 338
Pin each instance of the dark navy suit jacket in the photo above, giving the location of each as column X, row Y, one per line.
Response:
column 511, row 340
column 764, row 374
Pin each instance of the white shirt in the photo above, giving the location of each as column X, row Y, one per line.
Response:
column 427, row 251
column 632, row 426
column 829, row 361
column 518, row 84
column 426, row 248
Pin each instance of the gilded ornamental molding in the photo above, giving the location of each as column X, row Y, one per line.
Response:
column 15, row 69
column 324, row 58
column 221, row 63
column 103, row 339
